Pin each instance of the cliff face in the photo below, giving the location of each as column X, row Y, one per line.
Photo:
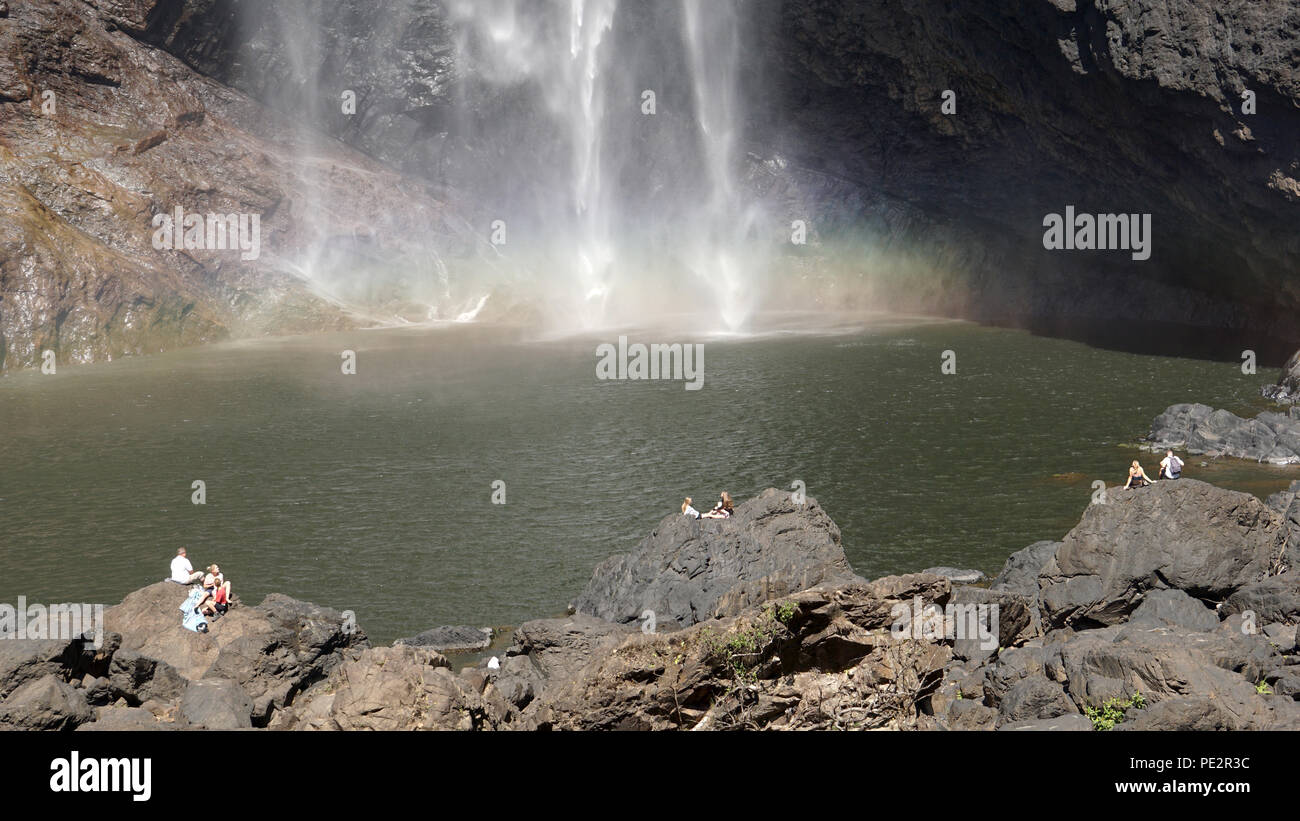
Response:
column 1129, row 107
column 100, row 133
column 1107, row 106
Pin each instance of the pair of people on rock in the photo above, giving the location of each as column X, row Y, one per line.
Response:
column 1171, row 467
column 216, row 593
column 722, row 510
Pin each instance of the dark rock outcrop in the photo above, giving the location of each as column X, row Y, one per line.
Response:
column 1237, row 710
column 1275, row 599
column 1020, row 572
column 1269, row 437
column 45, row 703
column 1174, row 608
column 690, row 570
column 459, row 638
column 274, row 650
column 398, row 688
column 822, row 658
column 1124, row 96
column 1185, row 535
column 550, row 652
column 1034, row 699
column 1287, row 388
column 130, row 132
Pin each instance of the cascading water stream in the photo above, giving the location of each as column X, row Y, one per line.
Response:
column 610, row 231
column 614, row 214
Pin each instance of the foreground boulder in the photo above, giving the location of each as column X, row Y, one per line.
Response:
column 550, row 652
column 825, row 658
column 1185, row 535
column 273, row 650
column 46, row 703
column 691, row 570
column 398, row 688
column 1154, row 677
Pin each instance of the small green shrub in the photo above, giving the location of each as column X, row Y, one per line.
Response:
column 1113, row 711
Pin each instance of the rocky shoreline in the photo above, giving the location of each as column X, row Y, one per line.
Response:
column 1170, row 607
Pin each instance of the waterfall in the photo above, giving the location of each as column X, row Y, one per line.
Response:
column 601, row 139
column 625, row 208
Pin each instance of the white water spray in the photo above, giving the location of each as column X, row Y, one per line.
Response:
column 634, row 211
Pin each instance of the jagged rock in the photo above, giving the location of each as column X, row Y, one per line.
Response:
column 1281, row 636
column 1020, row 573
column 399, row 688
column 99, row 691
column 1015, row 616
column 1158, row 662
column 1287, row 503
column 827, row 657
column 22, row 660
column 273, row 650
column 1009, row 669
column 1287, row 388
column 1174, row 608
column 451, row 639
column 1275, row 599
column 1270, row 437
column 968, row 714
column 140, row 678
column 45, row 703
column 217, row 704
column 1239, row 709
column 545, row 652
column 1183, row 534
column 1033, row 699
column 26, row 660
column 1285, row 681
column 689, row 570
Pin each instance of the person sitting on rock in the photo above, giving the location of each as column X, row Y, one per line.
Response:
column 722, row 510
column 687, row 510
column 217, row 590
column 1137, row 477
column 1171, row 467
column 182, row 571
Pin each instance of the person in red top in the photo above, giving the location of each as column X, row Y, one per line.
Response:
column 218, row 592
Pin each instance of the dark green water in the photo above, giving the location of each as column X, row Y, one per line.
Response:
column 373, row 492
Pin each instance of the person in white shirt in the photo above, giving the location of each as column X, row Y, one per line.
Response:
column 182, row 571
column 1171, row 467
column 687, row 510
